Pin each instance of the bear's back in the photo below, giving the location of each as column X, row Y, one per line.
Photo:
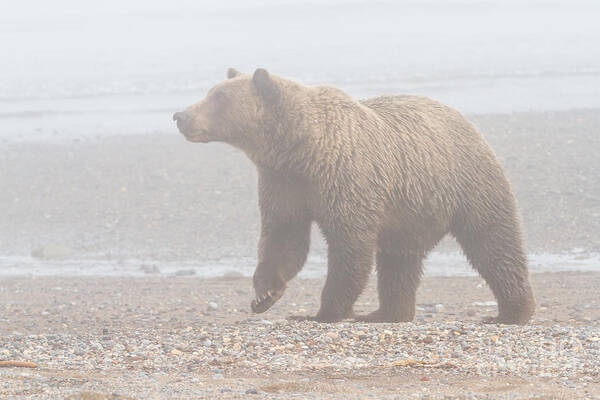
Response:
column 433, row 132
column 419, row 115
column 442, row 150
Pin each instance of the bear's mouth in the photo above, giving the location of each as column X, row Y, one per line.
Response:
column 197, row 139
column 265, row 301
column 198, row 136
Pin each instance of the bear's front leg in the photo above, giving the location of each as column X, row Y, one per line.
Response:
column 350, row 260
column 284, row 238
column 282, row 254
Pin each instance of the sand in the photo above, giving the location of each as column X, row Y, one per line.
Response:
column 158, row 196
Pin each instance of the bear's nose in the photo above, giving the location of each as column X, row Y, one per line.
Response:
column 178, row 116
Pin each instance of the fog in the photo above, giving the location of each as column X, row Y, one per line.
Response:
column 126, row 252
column 78, row 69
column 81, row 73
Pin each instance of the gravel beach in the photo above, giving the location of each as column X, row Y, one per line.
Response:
column 171, row 338
column 161, row 336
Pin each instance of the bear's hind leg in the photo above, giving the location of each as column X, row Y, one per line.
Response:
column 494, row 248
column 398, row 277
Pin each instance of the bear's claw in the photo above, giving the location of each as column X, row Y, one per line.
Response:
column 265, row 301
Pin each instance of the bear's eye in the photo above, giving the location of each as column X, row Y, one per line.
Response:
column 220, row 98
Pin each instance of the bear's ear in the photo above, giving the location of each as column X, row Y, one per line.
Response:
column 265, row 85
column 232, row 73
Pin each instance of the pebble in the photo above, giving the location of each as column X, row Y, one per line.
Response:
column 185, row 272
column 485, row 303
column 150, row 269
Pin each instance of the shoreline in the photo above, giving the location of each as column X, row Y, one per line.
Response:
column 437, row 264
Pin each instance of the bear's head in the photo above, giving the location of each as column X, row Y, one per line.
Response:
column 237, row 111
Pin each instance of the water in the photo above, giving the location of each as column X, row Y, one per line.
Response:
column 84, row 70
column 437, row 264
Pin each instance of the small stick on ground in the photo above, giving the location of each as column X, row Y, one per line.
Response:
column 18, row 364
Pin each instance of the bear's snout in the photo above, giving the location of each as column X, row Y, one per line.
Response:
column 190, row 128
column 177, row 116
column 184, row 122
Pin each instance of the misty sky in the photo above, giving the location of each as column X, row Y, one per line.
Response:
column 70, row 66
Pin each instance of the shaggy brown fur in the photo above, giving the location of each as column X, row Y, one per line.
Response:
column 386, row 177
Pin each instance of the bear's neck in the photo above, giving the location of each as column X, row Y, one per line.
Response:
column 308, row 135
column 307, row 156
column 285, row 158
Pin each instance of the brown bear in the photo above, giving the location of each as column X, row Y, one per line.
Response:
column 386, row 177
